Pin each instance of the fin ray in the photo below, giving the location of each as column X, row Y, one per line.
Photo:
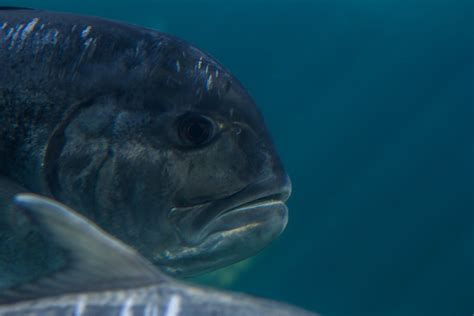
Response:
column 96, row 261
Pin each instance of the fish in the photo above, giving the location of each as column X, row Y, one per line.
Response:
column 141, row 132
column 106, row 277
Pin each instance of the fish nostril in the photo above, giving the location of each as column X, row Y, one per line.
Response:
column 284, row 187
column 236, row 128
column 285, row 193
column 288, row 186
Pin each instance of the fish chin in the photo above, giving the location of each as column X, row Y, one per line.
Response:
column 229, row 238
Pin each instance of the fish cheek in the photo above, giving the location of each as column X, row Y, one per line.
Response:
column 76, row 153
column 215, row 171
column 134, row 190
column 76, row 172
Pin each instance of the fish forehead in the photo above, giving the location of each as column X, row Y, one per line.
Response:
column 74, row 40
column 83, row 25
column 73, row 48
column 78, row 40
column 59, row 29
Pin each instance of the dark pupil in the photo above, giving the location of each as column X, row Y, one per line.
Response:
column 197, row 130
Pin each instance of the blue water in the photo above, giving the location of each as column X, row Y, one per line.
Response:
column 371, row 106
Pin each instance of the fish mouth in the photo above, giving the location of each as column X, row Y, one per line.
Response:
column 217, row 233
column 255, row 205
column 255, row 202
column 245, row 216
column 224, row 245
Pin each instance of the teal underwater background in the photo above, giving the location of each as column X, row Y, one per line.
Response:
column 371, row 105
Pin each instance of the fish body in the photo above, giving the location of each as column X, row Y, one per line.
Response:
column 162, row 300
column 134, row 287
column 141, row 132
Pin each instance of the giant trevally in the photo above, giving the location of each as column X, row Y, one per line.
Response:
column 141, row 132
column 105, row 277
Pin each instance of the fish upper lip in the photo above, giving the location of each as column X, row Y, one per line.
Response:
column 252, row 200
column 282, row 195
column 191, row 221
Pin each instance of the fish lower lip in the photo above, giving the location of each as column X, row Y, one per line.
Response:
column 268, row 213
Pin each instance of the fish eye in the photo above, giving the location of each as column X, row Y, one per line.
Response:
column 195, row 129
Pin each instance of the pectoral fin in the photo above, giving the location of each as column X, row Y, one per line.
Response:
column 97, row 261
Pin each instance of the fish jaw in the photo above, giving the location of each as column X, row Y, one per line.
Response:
column 219, row 233
column 231, row 244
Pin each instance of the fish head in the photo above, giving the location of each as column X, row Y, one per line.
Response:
column 230, row 202
column 179, row 164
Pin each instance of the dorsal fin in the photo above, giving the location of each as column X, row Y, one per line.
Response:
column 96, row 261
column 7, row 8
